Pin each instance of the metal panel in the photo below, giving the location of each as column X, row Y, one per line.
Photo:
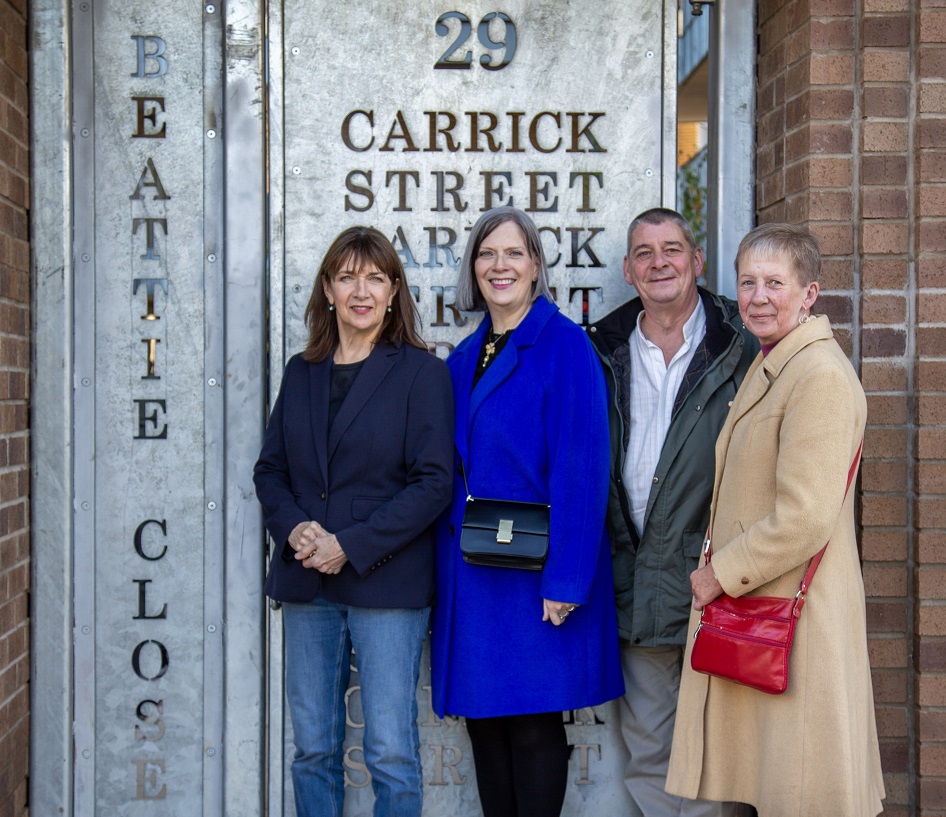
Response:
column 328, row 61
column 51, row 498
column 731, row 171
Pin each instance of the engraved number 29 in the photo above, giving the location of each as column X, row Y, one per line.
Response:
column 507, row 43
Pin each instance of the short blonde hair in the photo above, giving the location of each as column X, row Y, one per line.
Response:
column 796, row 245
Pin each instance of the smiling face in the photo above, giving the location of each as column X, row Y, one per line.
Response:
column 361, row 295
column 505, row 273
column 771, row 298
column 663, row 267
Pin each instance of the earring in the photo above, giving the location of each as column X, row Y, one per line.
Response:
column 389, row 309
column 331, row 307
column 803, row 319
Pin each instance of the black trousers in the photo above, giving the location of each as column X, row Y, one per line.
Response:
column 521, row 764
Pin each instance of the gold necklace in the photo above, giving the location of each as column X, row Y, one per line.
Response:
column 490, row 349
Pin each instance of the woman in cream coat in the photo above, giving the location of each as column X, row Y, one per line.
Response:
column 782, row 461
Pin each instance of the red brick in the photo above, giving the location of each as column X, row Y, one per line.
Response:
column 883, row 202
column 931, row 272
column 931, row 512
column 931, row 654
column 932, row 583
column 883, row 169
column 932, row 690
column 890, row 309
column 931, row 619
column 831, row 69
column 883, row 545
column 931, row 342
column 885, row 238
column 885, row 581
column 834, row 239
column 887, row 652
column 884, row 65
column 828, row 171
column 883, row 376
column 932, row 132
column 933, row 62
column 878, row 135
column 837, row 273
column 832, row 35
column 884, row 273
column 932, row 201
column 883, row 510
column 886, row 101
column 933, row 26
column 884, row 442
column 932, row 98
column 932, row 165
column 931, row 376
column 932, row 725
column 890, row 685
column 931, row 442
column 887, row 30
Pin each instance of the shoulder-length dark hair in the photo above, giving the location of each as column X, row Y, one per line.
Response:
column 353, row 249
column 468, row 297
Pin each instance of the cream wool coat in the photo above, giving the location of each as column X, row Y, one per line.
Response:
column 782, row 461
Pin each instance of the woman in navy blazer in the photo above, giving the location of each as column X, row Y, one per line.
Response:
column 512, row 648
column 356, row 465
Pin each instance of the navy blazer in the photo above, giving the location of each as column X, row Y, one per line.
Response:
column 377, row 480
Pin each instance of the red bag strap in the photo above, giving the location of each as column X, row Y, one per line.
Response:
column 816, row 559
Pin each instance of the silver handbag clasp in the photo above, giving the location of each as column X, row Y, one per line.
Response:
column 504, row 532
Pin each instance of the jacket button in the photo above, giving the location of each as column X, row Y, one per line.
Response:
column 699, row 408
column 323, row 494
column 593, row 329
column 656, row 480
column 730, row 404
column 744, row 580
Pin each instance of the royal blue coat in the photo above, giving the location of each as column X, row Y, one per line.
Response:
column 534, row 428
column 377, row 479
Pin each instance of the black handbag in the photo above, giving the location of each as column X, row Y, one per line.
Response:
column 504, row 533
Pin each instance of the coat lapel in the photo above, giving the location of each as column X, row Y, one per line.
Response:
column 376, row 367
column 319, row 375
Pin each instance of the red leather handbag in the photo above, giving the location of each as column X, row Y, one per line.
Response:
column 748, row 640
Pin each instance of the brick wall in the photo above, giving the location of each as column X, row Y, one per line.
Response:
column 852, row 144
column 14, row 410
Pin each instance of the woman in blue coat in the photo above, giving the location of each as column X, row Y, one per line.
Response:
column 514, row 648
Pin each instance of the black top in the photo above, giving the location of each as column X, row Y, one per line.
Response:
column 343, row 375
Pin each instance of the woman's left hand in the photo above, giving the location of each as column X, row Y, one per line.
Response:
column 705, row 586
column 328, row 556
column 556, row 611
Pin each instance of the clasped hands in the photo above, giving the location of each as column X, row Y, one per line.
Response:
column 315, row 547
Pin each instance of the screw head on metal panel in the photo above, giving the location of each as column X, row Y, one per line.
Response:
column 211, row 628
column 86, row 506
column 211, row 258
column 648, row 172
column 84, row 131
column 86, row 381
column 83, row 6
column 649, row 55
column 86, row 754
column 211, row 752
column 296, row 170
column 212, row 506
column 212, row 381
column 209, row 8
column 86, row 630
column 297, row 288
column 211, row 134
column 86, row 257
column 296, row 50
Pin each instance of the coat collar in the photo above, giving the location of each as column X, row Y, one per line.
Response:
column 765, row 370
column 467, row 359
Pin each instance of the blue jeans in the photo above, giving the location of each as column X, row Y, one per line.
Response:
column 388, row 644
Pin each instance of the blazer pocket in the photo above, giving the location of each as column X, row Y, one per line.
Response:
column 363, row 506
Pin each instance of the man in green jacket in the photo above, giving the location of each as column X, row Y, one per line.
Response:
column 674, row 358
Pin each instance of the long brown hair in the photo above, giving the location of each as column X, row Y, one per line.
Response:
column 360, row 246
